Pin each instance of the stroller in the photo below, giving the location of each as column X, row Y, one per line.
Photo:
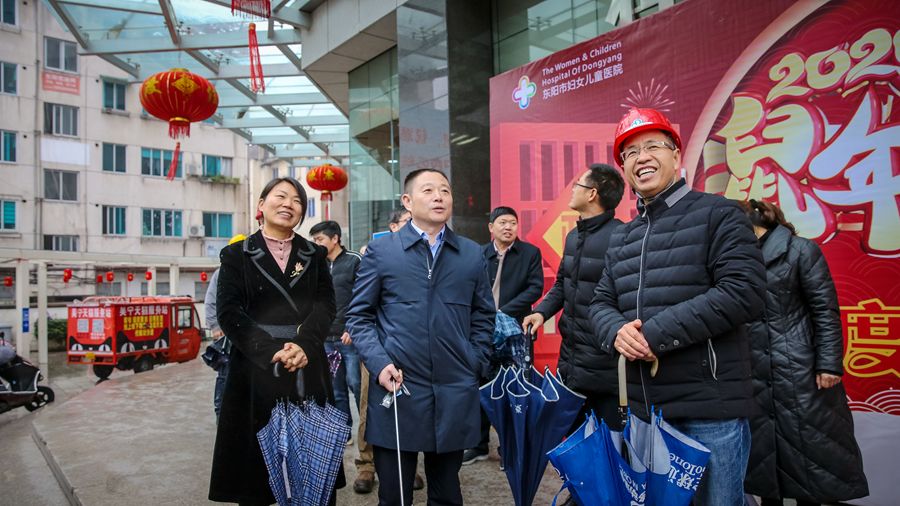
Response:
column 19, row 382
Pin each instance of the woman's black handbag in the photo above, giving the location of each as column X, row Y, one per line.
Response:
column 216, row 354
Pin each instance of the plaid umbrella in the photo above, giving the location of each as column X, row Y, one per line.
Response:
column 273, row 442
column 303, row 447
column 509, row 342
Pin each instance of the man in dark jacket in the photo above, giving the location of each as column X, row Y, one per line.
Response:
column 343, row 265
column 583, row 366
column 517, row 281
column 681, row 281
column 422, row 319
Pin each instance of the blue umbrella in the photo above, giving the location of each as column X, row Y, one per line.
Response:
column 652, row 463
column 675, row 461
column 496, row 407
column 593, row 469
column 554, row 408
column 528, row 419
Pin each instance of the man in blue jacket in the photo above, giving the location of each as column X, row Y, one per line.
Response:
column 422, row 317
column 681, row 281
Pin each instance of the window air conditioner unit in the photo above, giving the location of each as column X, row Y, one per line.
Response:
column 196, row 231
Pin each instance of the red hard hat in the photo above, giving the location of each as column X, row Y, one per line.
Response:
column 641, row 120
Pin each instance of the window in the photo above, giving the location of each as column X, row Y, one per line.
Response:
column 60, row 119
column 113, row 220
column 184, row 317
column 212, row 165
column 109, row 289
column 200, row 289
column 7, row 214
column 217, row 224
column 216, row 166
column 311, row 208
column 61, row 242
column 162, row 288
column 114, row 95
column 113, row 157
column 155, row 162
column 161, row 223
column 8, row 78
column 7, row 146
column 60, row 55
column 8, row 12
column 60, row 185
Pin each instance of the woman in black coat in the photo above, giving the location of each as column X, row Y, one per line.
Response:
column 275, row 304
column 802, row 440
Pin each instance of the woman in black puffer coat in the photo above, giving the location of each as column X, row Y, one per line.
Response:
column 802, row 440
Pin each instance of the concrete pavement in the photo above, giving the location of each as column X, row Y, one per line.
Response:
column 147, row 439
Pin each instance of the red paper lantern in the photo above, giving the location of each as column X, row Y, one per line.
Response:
column 326, row 178
column 148, row 275
column 203, row 277
column 7, row 281
column 99, row 279
column 130, row 276
column 67, row 275
column 179, row 97
column 110, row 276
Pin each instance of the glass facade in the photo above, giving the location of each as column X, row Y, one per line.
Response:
column 525, row 31
column 374, row 146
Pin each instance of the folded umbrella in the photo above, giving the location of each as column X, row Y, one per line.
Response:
column 649, row 463
column 273, row 443
column 553, row 408
column 303, row 447
column 675, row 462
column 510, row 347
column 531, row 413
column 593, row 469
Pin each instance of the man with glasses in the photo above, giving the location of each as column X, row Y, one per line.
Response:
column 681, row 281
column 517, row 281
column 584, row 367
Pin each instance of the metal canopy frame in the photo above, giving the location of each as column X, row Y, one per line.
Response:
column 292, row 120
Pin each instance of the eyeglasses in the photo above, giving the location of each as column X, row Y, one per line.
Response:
column 651, row 147
column 584, row 186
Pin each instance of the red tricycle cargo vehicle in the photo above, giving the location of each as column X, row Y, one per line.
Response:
column 132, row 332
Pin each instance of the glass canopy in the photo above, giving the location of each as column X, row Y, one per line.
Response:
column 291, row 119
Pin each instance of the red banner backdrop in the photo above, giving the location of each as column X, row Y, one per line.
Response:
column 797, row 103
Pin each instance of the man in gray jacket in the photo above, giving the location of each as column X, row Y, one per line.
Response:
column 212, row 323
column 343, row 264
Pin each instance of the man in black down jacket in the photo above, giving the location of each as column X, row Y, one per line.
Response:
column 584, row 367
column 682, row 280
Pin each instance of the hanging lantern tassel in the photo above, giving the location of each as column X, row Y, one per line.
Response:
column 173, row 167
column 252, row 8
column 326, row 204
column 257, row 82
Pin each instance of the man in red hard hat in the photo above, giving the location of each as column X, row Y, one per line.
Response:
column 681, row 280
